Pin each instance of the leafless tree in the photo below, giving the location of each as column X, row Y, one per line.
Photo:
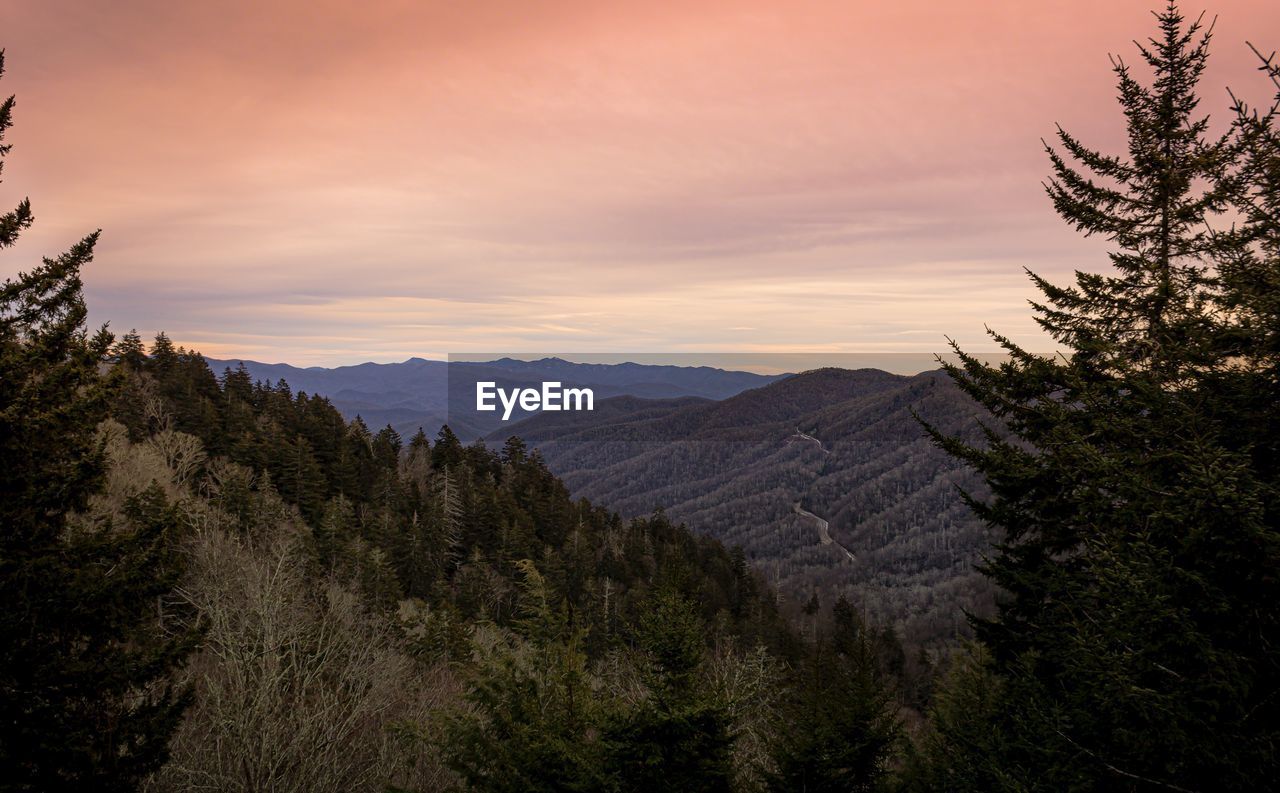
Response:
column 182, row 453
column 298, row 687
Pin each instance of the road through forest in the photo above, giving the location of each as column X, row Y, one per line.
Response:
column 824, row 528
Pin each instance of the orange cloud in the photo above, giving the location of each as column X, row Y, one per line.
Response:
column 334, row 182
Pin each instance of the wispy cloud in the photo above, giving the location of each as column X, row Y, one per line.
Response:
column 325, row 182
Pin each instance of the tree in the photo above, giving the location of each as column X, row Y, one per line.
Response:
column 678, row 738
column 536, row 715
column 298, row 685
column 1249, row 274
column 386, row 447
column 1155, row 205
column 130, row 352
column 962, row 746
column 1134, row 647
column 84, row 702
column 841, row 719
column 447, row 451
column 163, row 354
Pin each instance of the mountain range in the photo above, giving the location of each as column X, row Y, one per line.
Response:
column 826, row 479
column 429, row 393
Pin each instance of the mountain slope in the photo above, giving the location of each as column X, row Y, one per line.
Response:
column 840, row 445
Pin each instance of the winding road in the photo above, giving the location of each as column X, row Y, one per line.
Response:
column 806, row 437
column 824, row 529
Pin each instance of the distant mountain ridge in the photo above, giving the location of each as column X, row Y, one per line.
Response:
column 755, row 460
column 841, row 445
column 424, row 393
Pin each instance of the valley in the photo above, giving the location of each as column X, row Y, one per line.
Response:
column 825, row 479
column 830, row 454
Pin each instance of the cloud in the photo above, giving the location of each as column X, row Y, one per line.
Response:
column 331, row 182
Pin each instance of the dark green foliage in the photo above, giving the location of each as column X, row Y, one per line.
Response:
column 536, row 733
column 1154, row 205
column 1135, row 647
column 965, row 745
column 129, row 352
column 541, row 725
column 1249, row 285
column 12, row 223
column 448, row 449
column 677, row 739
column 84, row 703
column 841, row 726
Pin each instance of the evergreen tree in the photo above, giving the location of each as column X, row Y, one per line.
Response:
column 334, row 531
column 678, row 738
column 1249, row 294
column 447, row 451
column 840, row 727
column 964, row 744
column 301, row 479
column 419, row 441
column 1134, row 647
column 514, row 451
column 386, row 447
column 1155, row 206
column 536, row 713
column 164, row 356
column 130, row 352
column 83, row 699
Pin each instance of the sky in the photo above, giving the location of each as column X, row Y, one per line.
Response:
column 325, row 183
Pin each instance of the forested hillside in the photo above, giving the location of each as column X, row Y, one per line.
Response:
column 437, row 537
column 844, row 446
column 362, row 612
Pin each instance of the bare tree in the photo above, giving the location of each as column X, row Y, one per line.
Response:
column 298, row 688
column 182, row 453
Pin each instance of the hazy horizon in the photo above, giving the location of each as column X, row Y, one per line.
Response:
column 757, row 363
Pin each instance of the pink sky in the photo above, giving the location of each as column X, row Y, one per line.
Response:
column 322, row 183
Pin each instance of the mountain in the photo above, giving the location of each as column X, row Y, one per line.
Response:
column 346, row 594
column 826, row 479
column 423, row 393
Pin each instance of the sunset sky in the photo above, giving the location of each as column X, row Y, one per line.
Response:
column 326, row 183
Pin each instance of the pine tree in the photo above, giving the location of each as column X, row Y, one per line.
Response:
column 965, row 745
column 163, row 354
column 129, row 351
column 301, row 477
column 386, row 448
column 677, row 739
column 334, row 531
column 1155, row 205
column 537, row 716
column 447, row 451
column 1134, row 646
column 83, row 700
column 1249, row 274
column 841, row 724
column 12, row 223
